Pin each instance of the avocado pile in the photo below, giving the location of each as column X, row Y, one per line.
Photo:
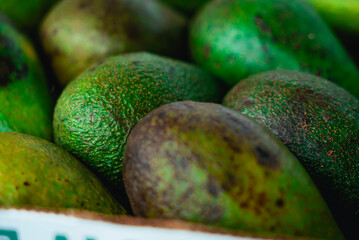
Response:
column 238, row 114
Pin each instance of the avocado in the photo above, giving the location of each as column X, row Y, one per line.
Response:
column 187, row 7
column 78, row 33
column 26, row 14
column 25, row 100
column 205, row 163
column 319, row 122
column 235, row 39
column 95, row 113
column 341, row 15
column 38, row 174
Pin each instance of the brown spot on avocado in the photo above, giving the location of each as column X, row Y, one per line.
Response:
column 232, row 144
column 84, row 5
column 26, row 183
column 248, row 102
column 279, row 202
column 6, row 68
column 265, row 158
column 162, row 115
column 244, row 205
column 261, row 199
column 265, row 48
column 262, row 25
column 212, row 187
column 206, row 51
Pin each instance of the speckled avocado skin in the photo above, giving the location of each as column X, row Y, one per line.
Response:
column 95, row 114
column 26, row 14
column 206, row 163
column 341, row 15
column 318, row 122
column 235, row 39
column 38, row 174
column 78, row 33
column 26, row 105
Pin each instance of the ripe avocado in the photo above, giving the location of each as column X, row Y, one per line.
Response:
column 26, row 105
column 26, row 14
column 235, row 39
column 95, row 113
column 318, row 122
column 78, row 33
column 341, row 15
column 38, row 174
column 205, row 163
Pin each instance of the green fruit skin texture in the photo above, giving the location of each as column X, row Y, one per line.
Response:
column 38, row 174
column 318, row 122
column 187, row 7
column 235, row 39
column 26, row 105
column 341, row 15
column 26, row 14
column 205, row 163
column 78, row 33
column 95, row 113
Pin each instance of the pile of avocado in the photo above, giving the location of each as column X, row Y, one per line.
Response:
column 241, row 115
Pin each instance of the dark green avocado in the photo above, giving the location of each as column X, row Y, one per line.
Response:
column 26, row 105
column 205, row 163
column 319, row 122
column 95, row 114
column 235, row 39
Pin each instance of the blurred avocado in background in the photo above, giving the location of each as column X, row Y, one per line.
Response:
column 342, row 15
column 78, row 33
column 26, row 105
column 26, row 14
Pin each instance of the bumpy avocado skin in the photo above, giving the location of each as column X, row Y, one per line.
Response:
column 26, row 14
column 235, row 39
column 38, row 174
column 318, row 122
column 206, row 163
column 187, row 7
column 26, row 105
column 95, row 113
column 341, row 15
column 78, row 33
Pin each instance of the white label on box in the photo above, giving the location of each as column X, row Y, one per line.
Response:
column 31, row 225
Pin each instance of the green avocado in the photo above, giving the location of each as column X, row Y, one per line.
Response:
column 26, row 105
column 319, row 122
column 235, row 39
column 205, row 163
column 38, row 174
column 187, row 7
column 95, row 113
column 78, row 33
column 341, row 15
column 26, row 14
